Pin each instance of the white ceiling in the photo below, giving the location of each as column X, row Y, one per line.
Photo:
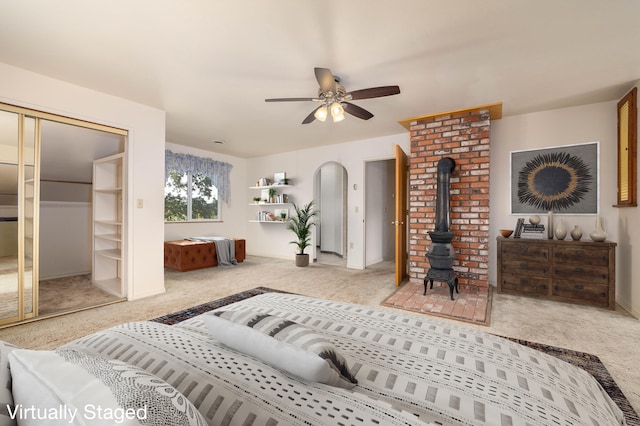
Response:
column 211, row 63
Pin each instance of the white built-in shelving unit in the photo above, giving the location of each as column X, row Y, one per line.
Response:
column 269, row 208
column 108, row 223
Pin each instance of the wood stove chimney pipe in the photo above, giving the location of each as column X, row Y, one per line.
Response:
column 446, row 165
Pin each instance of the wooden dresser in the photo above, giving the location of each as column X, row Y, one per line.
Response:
column 569, row 271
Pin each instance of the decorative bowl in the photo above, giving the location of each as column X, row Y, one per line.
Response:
column 506, row 232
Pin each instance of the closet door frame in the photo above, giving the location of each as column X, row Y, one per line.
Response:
column 24, row 113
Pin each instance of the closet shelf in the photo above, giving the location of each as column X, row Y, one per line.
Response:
column 109, row 222
column 110, row 285
column 110, row 237
column 110, row 253
column 108, row 190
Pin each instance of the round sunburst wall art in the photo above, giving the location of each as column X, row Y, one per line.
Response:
column 554, row 181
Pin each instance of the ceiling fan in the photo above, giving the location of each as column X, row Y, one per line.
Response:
column 334, row 99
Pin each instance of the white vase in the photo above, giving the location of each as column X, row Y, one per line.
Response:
column 598, row 234
column 550, row 225
column 576, row 233
column 561, row 230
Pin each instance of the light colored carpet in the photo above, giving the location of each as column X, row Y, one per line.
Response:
column 613, row 336
column 61, row 294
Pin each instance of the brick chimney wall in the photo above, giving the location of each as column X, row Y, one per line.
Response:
column 465, row 138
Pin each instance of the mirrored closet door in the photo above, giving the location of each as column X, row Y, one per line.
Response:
column 46, row 206
column 19, row 140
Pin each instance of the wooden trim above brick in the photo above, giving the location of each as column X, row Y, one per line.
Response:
column 495, row 113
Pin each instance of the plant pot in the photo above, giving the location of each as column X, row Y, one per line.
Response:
column 302, row 260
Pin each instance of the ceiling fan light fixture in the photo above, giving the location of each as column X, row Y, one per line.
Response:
column 321, row 113
column 337, row 112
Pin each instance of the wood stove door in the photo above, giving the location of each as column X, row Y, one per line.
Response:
column 401, row 215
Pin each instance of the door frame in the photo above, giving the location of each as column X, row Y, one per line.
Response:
column 364, row 234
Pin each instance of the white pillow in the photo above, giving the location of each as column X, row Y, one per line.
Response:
column 72, row 387
column 281, row 343
column 6, row 398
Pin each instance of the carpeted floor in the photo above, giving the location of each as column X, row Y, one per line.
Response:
column 587, row 362
column 55, row 295
column 69, row 293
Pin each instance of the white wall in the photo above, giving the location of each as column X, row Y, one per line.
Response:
column 8, row 236
column 586, row 123
column 145, row 161
column 301, row 166
column 65, row 239
column 233, row 223
column 380, row 211
column 331, row 207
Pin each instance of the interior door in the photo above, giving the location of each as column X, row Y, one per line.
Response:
column 401, row 215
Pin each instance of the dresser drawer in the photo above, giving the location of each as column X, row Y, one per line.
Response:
column 581, row 292
column 528, row 252
column 582, row 255
column 526, row 267
column 594, row 274
column 525, row 285
column 569, row 271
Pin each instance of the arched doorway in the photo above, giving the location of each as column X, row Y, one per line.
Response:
column 330, row 194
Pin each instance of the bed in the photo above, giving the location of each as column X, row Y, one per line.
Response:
column 409, row 369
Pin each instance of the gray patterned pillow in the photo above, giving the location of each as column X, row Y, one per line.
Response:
column 283, row 344
column 74, row 387
column 6, row 397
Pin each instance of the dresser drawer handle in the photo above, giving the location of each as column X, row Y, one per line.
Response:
column 580, row 270
column 580, row 252
column 579, row 287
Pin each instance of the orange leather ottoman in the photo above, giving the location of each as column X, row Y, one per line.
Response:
column 186, row 255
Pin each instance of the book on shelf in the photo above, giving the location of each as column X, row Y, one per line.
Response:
column 533, row 235
column 529, row 227
column 528, row 230
column 519, row 226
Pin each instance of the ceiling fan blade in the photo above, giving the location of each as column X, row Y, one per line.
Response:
column 356, row 111
column 289, row 99
column 325, row 79
column 374, row 92
column 311, row 116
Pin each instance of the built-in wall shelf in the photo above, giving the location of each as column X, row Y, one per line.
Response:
column 273, row 206
column 276, row 186
column 110, row 254
column 108, row 222
column 111, row 237
column 110, row 285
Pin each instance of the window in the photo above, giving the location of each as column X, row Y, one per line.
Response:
column 627, row 125
column 190, row 197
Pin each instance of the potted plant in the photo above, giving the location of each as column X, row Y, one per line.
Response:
column 301, row 225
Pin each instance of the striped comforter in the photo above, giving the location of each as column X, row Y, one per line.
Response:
column 411, row 370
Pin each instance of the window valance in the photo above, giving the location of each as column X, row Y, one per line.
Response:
column 217, row 171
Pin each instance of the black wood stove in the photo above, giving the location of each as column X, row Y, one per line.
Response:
column 441, row 253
